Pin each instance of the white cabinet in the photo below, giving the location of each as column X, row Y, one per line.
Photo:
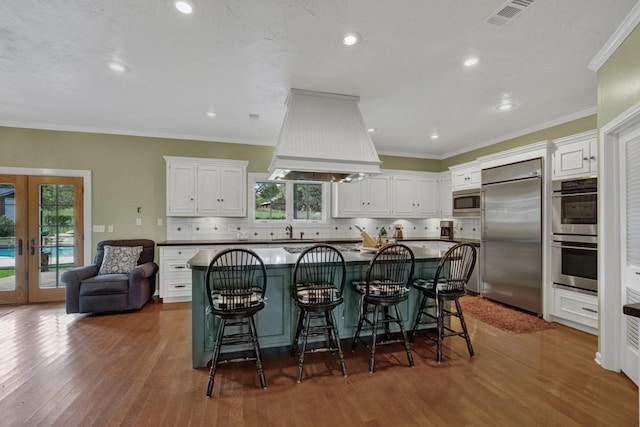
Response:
column 414, row 196
column 575, row 156
column 576, row 307
column 444, row 201
column 465, row 176
column 206, row 187
column 175, row 275
column 370, row 197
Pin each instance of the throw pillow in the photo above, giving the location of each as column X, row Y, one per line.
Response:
column 119, row 259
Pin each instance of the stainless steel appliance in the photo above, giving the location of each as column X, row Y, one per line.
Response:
column 466, row 203
column 446, row 230
column 512, row 234
column 574, row 206
column 575, row 262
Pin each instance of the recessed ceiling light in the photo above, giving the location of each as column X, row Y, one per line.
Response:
column 117, row 66
column 371, row 130
column 352, row 38
column 211, row 114
column 184, row 6
column 471, row 61
column 434, row 135
column 506, row 106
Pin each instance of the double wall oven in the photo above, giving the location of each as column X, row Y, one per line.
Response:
column 574, row 247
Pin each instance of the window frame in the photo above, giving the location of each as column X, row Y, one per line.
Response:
column 261, row 177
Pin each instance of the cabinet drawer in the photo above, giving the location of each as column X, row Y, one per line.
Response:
column 180, row 288
column 577, row 307
column 179, row 253
column 173, row 266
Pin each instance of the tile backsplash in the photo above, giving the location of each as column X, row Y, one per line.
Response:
column 219, row 228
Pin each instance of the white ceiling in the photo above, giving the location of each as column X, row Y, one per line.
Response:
column 241, row 57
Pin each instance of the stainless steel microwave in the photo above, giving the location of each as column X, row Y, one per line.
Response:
column 466, row 203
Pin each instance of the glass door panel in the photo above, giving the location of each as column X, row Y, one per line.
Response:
column 55, row 234
column 12, row 239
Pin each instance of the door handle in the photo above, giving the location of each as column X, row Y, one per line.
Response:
column 19, row 246
column 32, row 249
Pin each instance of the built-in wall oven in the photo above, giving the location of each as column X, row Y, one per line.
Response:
column 574, row 245
column 575, row 262
column 574, row 206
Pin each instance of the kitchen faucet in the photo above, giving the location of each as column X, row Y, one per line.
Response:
column 289, row 229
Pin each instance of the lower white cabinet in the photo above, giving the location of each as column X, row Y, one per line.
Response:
column 175, row 275
column 576, row 307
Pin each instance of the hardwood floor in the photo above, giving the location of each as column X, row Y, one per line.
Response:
column 135, row 369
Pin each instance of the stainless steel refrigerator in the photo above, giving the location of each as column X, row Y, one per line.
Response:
column 511, row 209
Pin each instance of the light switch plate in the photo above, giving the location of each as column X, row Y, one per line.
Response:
column 110, row 228
column 159, row 221
column 98, row 228
column 138, row 221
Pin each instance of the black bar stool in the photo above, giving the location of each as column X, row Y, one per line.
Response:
column 236, row 282
column 317, row 286
column 448, row 284
column 386, row 285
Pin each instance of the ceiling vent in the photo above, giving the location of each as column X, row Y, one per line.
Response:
column 505, row 13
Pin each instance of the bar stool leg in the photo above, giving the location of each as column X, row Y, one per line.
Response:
column 357, row 335
column 440, row 315
column 294, row 344
column 336, row 337
column 215, row 356
column 464, row 326
column 372, row 354
column 305, row 335
column 256, row 346
column 423, row 303
column 407, row 346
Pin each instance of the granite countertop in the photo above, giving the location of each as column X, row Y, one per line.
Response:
column 289, row 242
column 278, row 257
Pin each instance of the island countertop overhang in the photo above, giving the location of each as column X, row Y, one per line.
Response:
column 280, row 258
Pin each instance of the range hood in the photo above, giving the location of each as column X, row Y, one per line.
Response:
column 323, row 138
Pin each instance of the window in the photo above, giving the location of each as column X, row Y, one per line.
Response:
column 277, row 201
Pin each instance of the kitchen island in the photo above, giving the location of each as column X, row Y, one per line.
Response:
column 276, row 322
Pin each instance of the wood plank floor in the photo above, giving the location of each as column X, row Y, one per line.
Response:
column 135, row 369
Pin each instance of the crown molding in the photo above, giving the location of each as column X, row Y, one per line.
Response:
column 630, row 22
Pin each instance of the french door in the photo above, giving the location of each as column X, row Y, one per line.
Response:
column 41, row 236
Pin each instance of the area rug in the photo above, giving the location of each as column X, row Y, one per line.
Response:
column 501, row 316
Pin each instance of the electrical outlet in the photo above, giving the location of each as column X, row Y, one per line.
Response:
column 98, row 228
column 110, row 228
column 138, row 221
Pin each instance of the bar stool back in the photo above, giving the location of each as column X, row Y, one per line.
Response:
column 317, row 286
column 236, row 283
column 386, row 285
column 448, row 284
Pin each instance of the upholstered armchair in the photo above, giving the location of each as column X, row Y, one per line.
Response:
column 122, row 277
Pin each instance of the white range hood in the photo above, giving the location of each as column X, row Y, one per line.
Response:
column 323, row 138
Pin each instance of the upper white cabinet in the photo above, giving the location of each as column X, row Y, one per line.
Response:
column 575, row 156
column 465, row 176
column 370, row 197
column 206, row 187
column 414, row 195
column 444, row 202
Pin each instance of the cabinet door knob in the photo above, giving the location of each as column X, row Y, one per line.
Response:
column 585, row 159
column 191, row 199
column 592, row 157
